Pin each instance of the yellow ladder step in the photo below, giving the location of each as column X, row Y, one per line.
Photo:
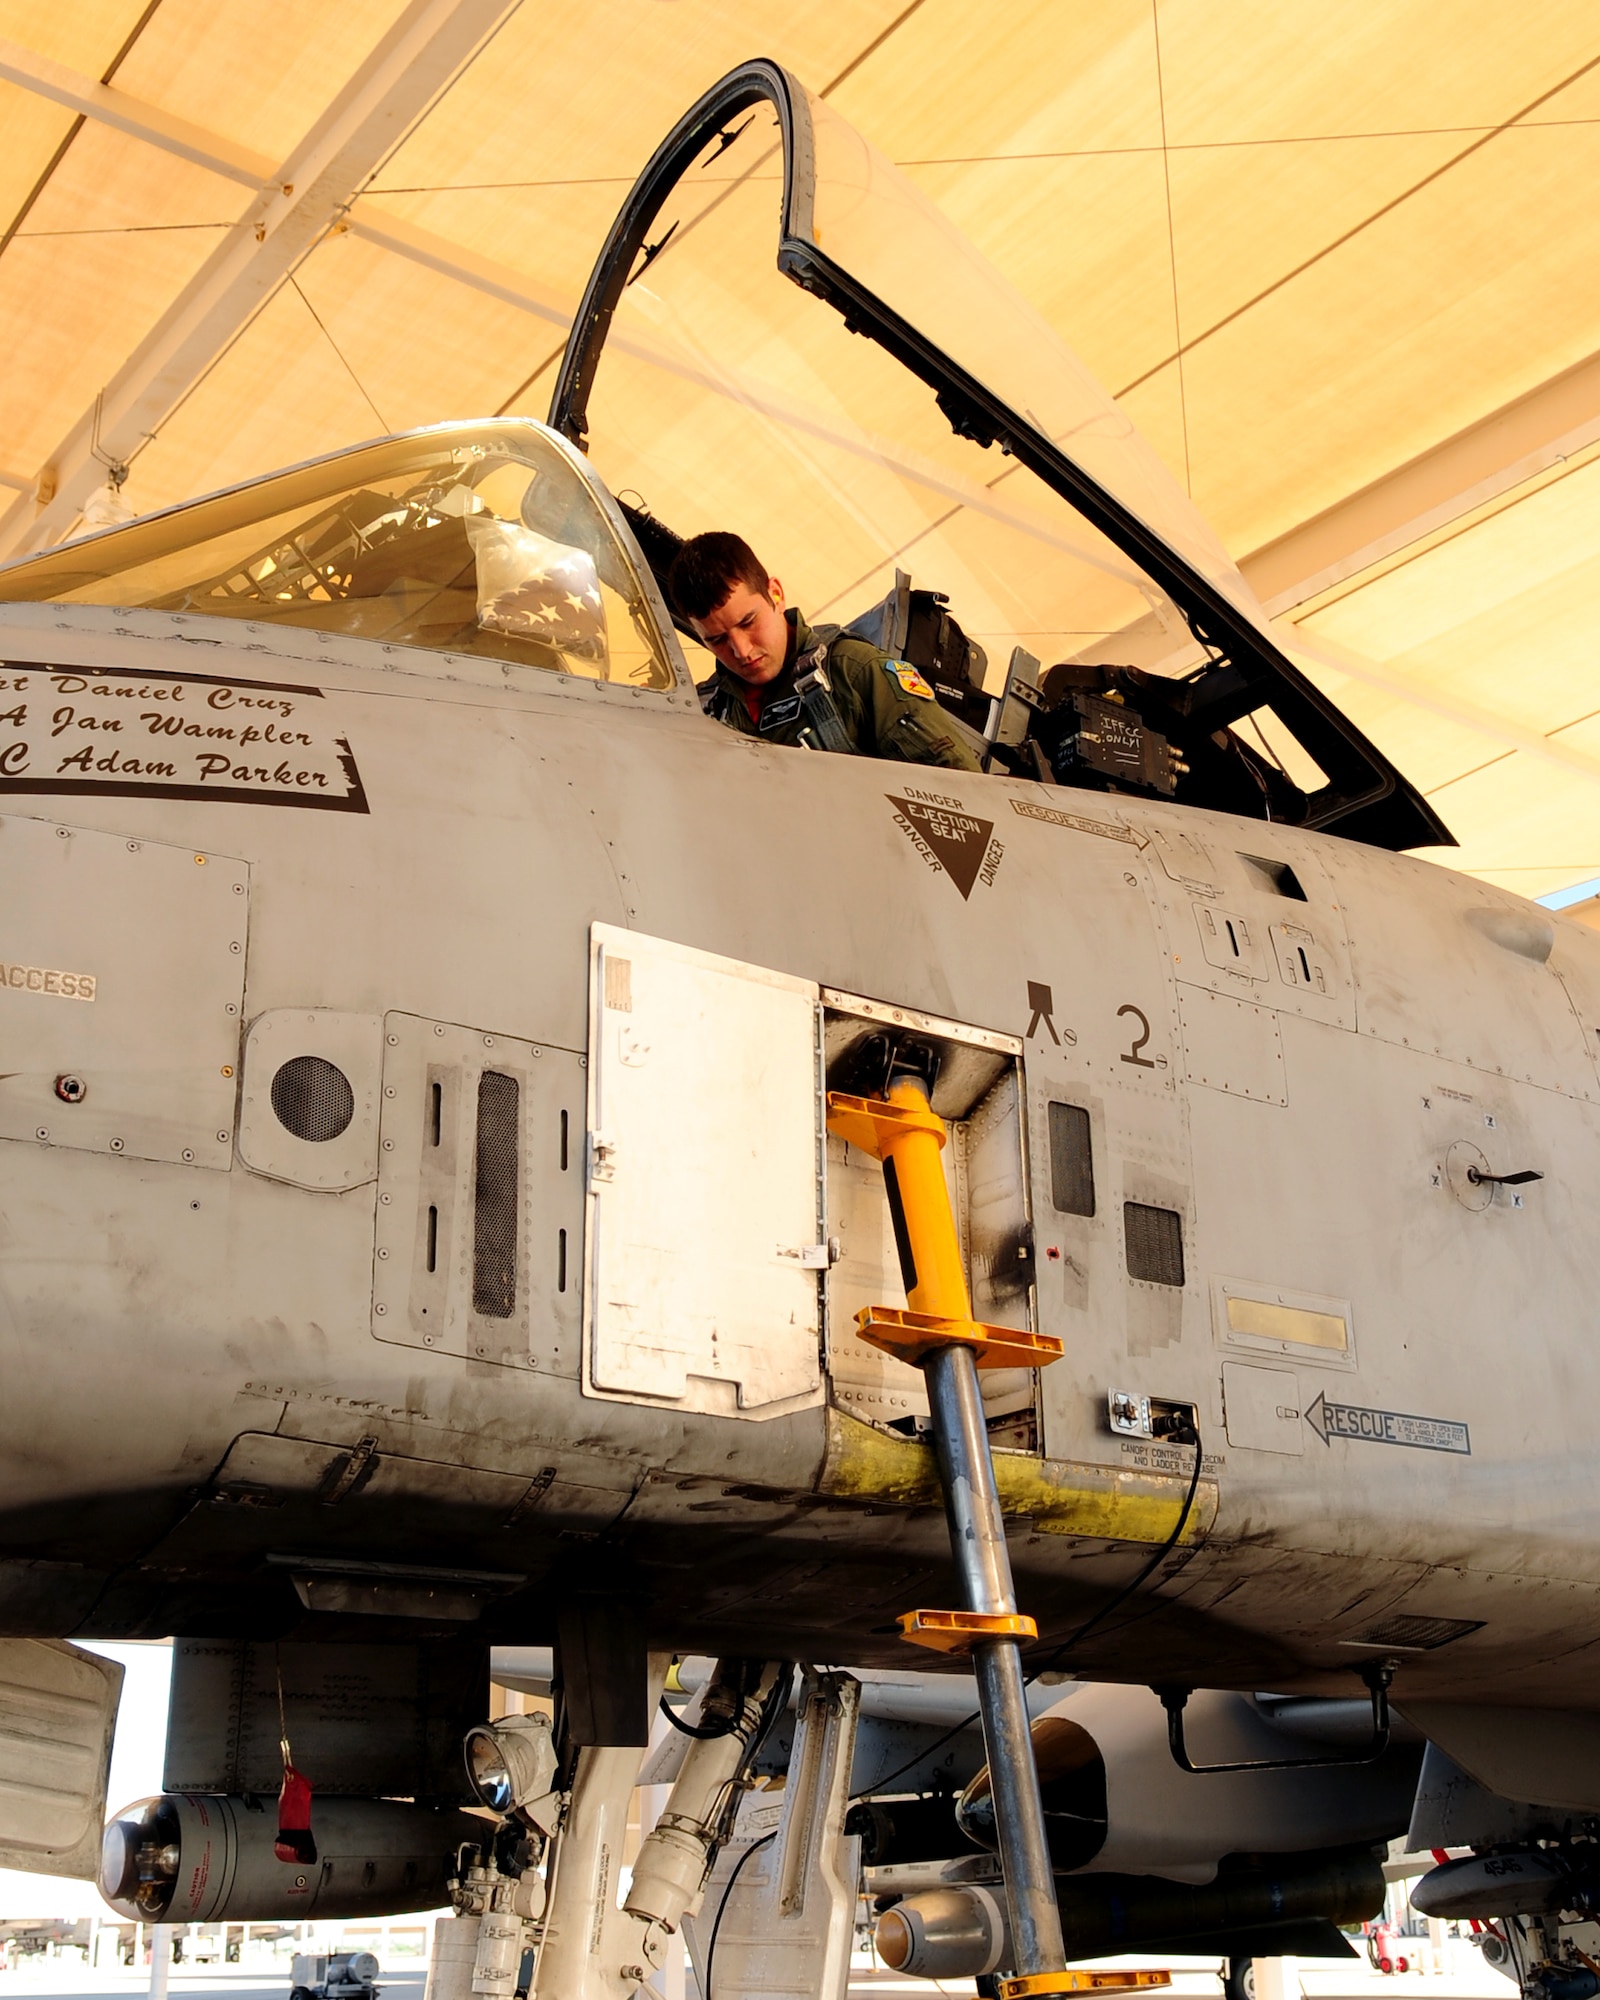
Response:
column 1046, row 1985
column 871, row 1123
column 908, row 1336
column 955, row 1631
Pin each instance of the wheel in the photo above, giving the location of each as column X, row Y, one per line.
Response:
column 1239, row 1980
column 1384, row 1965
column 301, row 1993
column 1402, row 1965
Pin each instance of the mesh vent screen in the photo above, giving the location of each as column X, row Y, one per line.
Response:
column 494, row 1240
column 313, row 1098
column 1154, row 1240
column 1416, row 1635
column 1071, row 1160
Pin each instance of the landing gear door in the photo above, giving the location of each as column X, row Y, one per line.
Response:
column 59, row 1705
column 703, row 1219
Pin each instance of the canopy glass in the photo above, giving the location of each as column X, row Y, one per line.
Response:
column 488, row 539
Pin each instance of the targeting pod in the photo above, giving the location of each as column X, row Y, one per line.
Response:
column 191, row 1857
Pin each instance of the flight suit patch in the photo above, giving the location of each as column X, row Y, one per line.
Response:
column 910, row 681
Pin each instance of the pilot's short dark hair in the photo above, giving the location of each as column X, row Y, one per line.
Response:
column 707, row 568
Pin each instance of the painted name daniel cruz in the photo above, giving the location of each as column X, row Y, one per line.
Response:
column 45, row 979
column 129, row 733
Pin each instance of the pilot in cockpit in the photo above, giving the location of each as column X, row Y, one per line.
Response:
column 778, row 679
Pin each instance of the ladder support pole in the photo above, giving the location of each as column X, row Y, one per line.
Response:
column 908, row 1136
column 983, row 1572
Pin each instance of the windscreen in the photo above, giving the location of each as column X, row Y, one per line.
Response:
column 727, row 398
column 484, row 540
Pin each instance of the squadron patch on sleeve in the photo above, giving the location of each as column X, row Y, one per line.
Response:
column 911, row 682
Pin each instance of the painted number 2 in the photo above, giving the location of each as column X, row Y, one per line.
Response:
column 1132, row 1055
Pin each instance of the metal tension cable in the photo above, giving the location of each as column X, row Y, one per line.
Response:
column 1377, row 1676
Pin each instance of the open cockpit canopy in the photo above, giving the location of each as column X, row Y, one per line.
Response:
column 785, row 338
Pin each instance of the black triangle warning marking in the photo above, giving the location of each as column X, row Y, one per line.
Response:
column 957, row 840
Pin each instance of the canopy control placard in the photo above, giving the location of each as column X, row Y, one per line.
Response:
column 124, row 733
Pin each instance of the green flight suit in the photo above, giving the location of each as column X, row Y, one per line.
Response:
column 879, row 714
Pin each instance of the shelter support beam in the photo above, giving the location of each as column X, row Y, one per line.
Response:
column 297, row 202
column 1475, row 466
column 219, row 155
column 24, row 530
column 86, row 98
column 1311, row 651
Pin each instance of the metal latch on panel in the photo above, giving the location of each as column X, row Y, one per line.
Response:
column 814, row 1256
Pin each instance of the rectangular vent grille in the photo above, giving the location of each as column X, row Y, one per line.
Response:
column 495, row 1196
column 1154, row 1241
column 1416, row 1635
column 1071, row 1160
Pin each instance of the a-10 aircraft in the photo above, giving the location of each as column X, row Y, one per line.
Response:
column 493, row 1159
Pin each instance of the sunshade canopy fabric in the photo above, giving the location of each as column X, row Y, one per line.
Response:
column 1310, row 251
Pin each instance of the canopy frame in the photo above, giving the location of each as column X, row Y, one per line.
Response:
column 1366, row 797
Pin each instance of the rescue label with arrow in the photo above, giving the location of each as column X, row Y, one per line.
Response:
column 1350, row 1420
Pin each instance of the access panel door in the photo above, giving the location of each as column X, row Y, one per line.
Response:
column 121, row 979
column 704, row 1213
column 58, row 1712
